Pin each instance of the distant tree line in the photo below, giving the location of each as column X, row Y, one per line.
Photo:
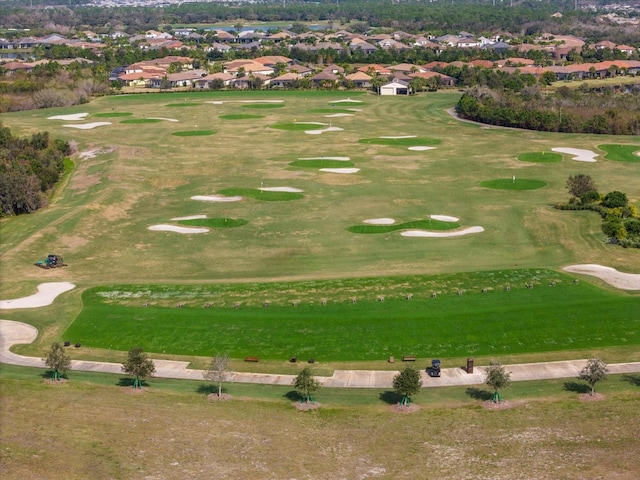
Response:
column 29, row 167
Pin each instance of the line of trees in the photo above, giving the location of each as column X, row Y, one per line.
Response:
column 29, row 168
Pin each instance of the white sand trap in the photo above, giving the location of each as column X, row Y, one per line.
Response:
column 421, row 148
column 309, row 123
column 173, row 228
column 69, row 118
column 47, row 293
column 457, row 233
column 380, row 221
column 340, row 159
column 190, row 217
column 347, row 100
column 261, row 101
column 88, row 126
column 444, row 218
column 624, row 281
column 163, row 118
column 216, row 198
column 340, row 170
column 282, row 189
column 318, row 132
column 399, row 136
column 215, row 102
column 579, row 154
column 333, row 115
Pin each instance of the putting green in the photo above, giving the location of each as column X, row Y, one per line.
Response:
column 511, row 184
column 295, row 126
column 194, row 133
column 112, row 114
column 263, row 195
column 240, row 116
column 400, row 141
column 319, row 163
column 540, row 157
column 142, row 120
column 429, row 224
column 215, row 222
column 621, row 153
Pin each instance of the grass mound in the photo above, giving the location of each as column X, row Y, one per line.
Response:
column 296, row 127
column 261, row 194
column 183, row 104
column 510, row 184
column 400, row 142
column 142, row 120
column 540, row 157
column 320, row 163
column 263, row 105
column 194, row 133
column 621, row 153
column 429, row 224
column 240, row 116
column 215, row 222
column 112, row 114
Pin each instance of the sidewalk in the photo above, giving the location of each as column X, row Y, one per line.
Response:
column 13, row 333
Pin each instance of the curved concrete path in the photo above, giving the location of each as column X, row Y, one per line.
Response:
column 13, row 333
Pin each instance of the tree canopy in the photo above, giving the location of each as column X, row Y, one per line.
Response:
column 593, row 372
column 139, row 365
column 497, row 378
column 407, row 383
column 306, row 385
column 218, row 370
column 57, row 360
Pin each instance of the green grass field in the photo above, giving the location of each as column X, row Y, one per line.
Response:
column 621, row 153
column 540, row 157
column 514, row 184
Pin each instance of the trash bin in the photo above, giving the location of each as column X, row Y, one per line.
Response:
column 392, row 360
column 469, row 365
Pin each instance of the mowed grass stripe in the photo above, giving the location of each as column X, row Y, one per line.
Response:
column 417, row 224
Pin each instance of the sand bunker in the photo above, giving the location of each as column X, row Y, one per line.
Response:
column 173, row 228
column 309, row 123
column 215, row 102
column 624, row 281
column 318, row 132
column 47, row 293
column 216, row 198
column 282, row 189
column 88, row 126
column 339, row 115
column 69, row 118
column 421, row 149
column 444, row 218
column 457, row 233
column 347, row 100
column 380, row 221
column 261, row 101
column 579, row 154
column 163, row 118
column 340, row 170
column 340, row 159
column 399, row 136
column 190, row 217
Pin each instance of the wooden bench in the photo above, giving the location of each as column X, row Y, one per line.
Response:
column 408, row 358
column 251, row 359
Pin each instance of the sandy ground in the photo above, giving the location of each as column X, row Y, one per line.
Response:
column 176, row 229
column 623, row 281
column 215, row 102
column 261, row 101
column 457, row 233
column 324, row 130
column 70, row 118
column 419, row 148
column 340, row 170
column 190, row 217
column 340, row 159
column 281, row 189
column 347, row 100
column 336, row 115
column 47, row 293
column 444, row 218
column 216, row 198
column 163, row 118
column 87, row 126
column 579, row 154
column 380, row 221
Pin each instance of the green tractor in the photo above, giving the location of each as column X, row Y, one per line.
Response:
column 52, row 261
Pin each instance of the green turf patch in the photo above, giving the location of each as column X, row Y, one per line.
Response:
column 621, row 153
column 194, row 133
column 142, row 120
column 263, row 105
column 215, row 222
column 183, row 104
column 331, row 110
column 112, row 114
column 567, row 316
column 510, row 184
column 295, row 126
column 261, row 194
column 400, row 142
column 319, row 163
column 240, row 116
column 429, row 224
column 540, row 157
